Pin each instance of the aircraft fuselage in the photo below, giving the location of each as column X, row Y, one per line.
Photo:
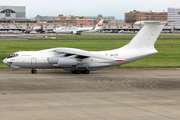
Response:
column 49, row 59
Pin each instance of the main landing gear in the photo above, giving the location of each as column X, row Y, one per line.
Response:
column 78, row 71
column 33, row 71
column 75, row 71
column 78, row 33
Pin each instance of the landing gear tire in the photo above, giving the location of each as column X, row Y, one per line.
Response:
column 78, row 72
column 73, row 71
column 78, row 33
column 86, row 72
column 34, row 71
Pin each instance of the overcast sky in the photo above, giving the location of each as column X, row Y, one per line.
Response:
column 115, row 8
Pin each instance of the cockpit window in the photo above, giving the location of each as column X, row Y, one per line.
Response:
column 13, row 55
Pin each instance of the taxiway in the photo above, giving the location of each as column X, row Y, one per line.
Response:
column 109, row 94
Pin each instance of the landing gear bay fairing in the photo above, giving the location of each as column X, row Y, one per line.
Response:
column 81, row 61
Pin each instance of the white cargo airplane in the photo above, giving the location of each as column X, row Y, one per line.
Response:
column 81, row 61
column 78, row 31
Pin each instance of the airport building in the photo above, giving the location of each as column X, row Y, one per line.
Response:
column 13, row 13
column 75, row 22
column 45, row 18
column 135, row 15
column 174, row 15
column 68, row 18
column 96, row 18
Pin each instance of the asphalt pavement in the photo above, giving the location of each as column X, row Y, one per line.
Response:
column 108, row 94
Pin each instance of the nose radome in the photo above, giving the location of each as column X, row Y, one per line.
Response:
column 5, row 61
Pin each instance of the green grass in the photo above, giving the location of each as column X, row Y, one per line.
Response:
column 168, row 56
column 169, row 36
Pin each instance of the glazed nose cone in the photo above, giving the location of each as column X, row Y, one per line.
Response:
column 5, row 61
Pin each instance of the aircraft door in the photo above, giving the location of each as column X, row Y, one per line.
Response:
column 33, row 61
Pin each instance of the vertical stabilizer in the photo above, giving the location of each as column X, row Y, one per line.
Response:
column 99, row 25
column 147, row 36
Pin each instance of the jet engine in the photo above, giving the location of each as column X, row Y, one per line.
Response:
column 63, row 61
column 74, row 32
column 53, row 60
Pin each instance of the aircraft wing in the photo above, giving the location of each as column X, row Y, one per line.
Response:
column 84, row 54
column 82, row 30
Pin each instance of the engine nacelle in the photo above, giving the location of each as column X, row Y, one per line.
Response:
column 53, row 60
column 74, row 32
column 65, row 61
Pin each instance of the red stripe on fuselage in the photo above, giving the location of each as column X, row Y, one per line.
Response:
column 121, row 60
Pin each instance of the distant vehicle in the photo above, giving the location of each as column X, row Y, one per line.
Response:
column 17, row 32
column 78, row 31
column 171, row 31
column 81, row 61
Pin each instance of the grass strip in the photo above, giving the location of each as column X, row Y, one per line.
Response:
column 168, row 56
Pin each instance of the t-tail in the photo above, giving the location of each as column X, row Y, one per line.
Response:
column 142, row 45
column 147, row 36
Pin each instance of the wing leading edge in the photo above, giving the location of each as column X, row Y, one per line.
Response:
column 85, row 54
